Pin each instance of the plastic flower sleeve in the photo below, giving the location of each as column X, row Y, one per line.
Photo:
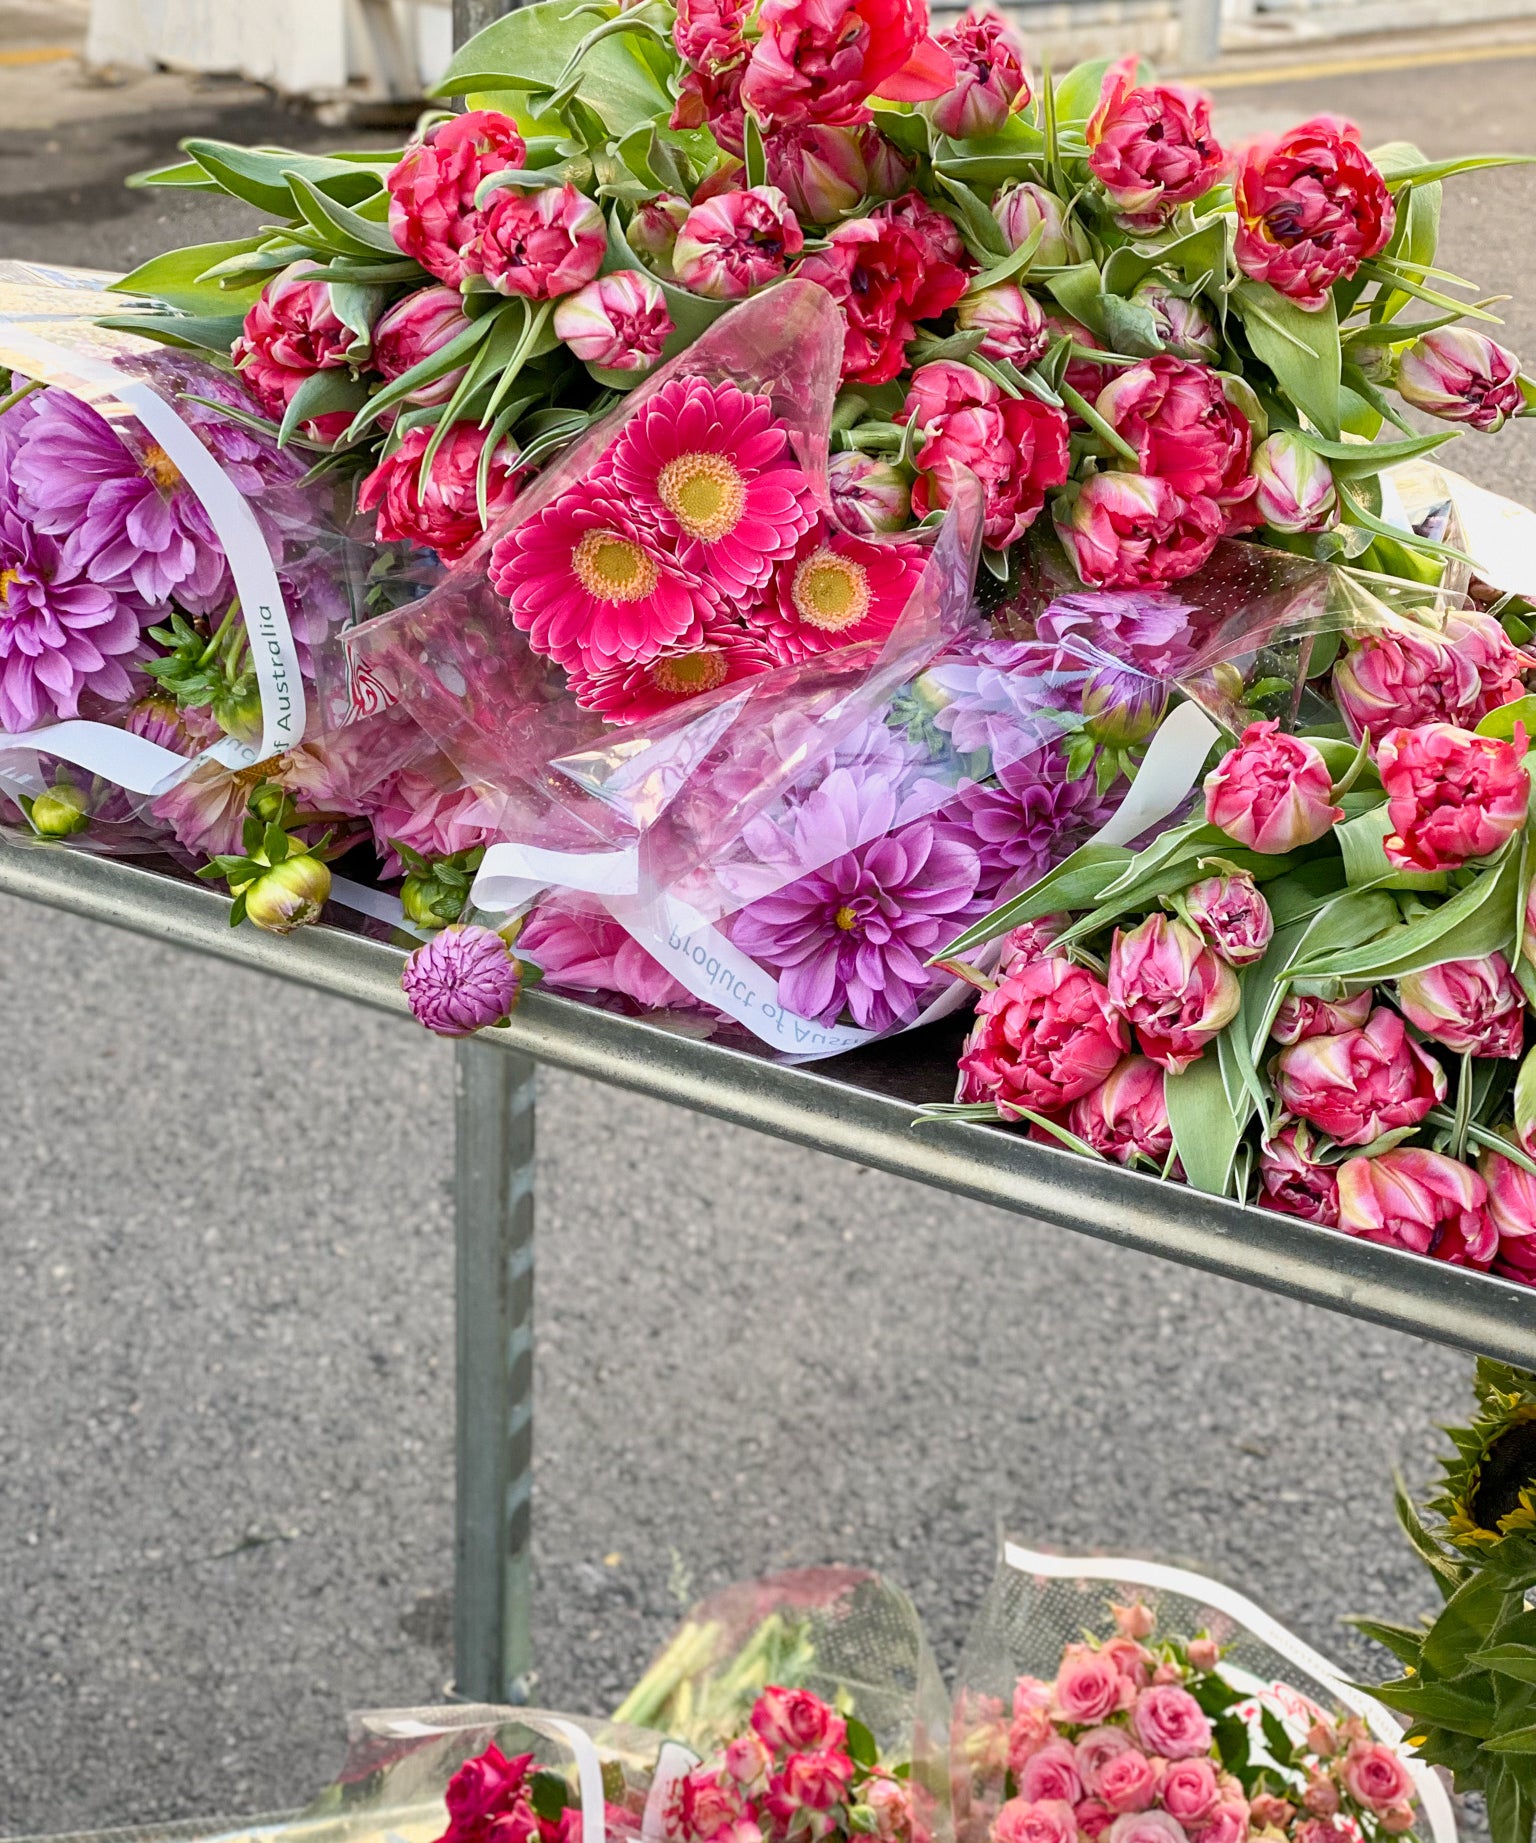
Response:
column 1042, row 1612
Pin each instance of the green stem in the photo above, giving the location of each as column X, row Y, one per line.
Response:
column 1080, row 406
column 219, row 633
column 17, row 396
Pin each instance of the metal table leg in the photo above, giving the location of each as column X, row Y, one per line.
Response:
column 493, row 1228
column 472, row 16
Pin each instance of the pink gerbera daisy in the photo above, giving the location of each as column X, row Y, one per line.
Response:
column 712, row 655
column 591, row 587
column 710, row 465
column 837, row 589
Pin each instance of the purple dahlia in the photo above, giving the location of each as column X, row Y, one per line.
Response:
column 1028, row 819
column 463, row 980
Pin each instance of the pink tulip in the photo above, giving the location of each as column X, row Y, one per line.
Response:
column 736, row 242
column 1293, row 1183
column 443, row 515
column 1126, row 1116
column 819, row 60
column 1173, row 988
column 291, row 331
column 1176, row 416
column 1183, row 326
column 1471, row 1006
column 1127, row 531
column 1451, row 796
column 1011, row 320
column 1271, row 792
column 869, row 495
column 990, row 78
column 412, row 331
column 1295, row 490
column 1461, row 375
column 1151, row 147
column 1232, row 915
column 541, row 244
column 1499, row 664
column 652, row 232
column 1043, row 1037
column 1311, row 207
column 1300, row 1017
column 1016, row 447
column 1419, row 1200
column 1022, row 210
column 619, row 320
column 1404, row 676
column 821, row 171
column 432, row 212
column 1512, row 1211
column 1362, row 1083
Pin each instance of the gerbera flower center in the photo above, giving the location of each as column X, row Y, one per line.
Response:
column 613, row 568
column 685, row 675
column 161, row 468
column 847, row 919
column 704, row 493
column 7, row 577
column 830, row 591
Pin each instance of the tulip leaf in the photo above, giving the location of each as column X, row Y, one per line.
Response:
column 982, row 232
column 260, row 175
column 1358, row 460
column 323, row 393
column 188, row 332
column 1077, row 94
column 185, row 175
column 436, row 365
column 1525, row 1095
column 1075, row 883
column 1419, row 172
column 1501, row 720
column 180, row 278
column 346, row 231
column 1080, row 290
column 1129, row 327
column 1301, row 348
column 1009, row 267
column 1206, row 1125
column 1361, row 842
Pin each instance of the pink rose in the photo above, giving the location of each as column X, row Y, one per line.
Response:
column 445, row 514
column 1088, row 1686
column 808, row 1782
column 485, row 1786
column 1146, row 1827
column 1133, row 531
column 1020, row 1821
column 1232, row 915
column 990, row 79
column 1228, row 1823
column 1093, row 1817
column 1419, row 1200
column 1361, row 1083
column 819, row 60
column 795, row 1721
column 1051, row 1773
column 736, row 242
column 1270, row 1812
column 291, row 331
column 1451, row 795
column 1126, row 1116
column 540, row 244
column 1319, row 1017
column 1133, row 1661
column 1030, row 1731
column 1473, row 1007
column 1461, row 375
column 1128, row 1782
column 432, row 214
column 1151, row 147
column 1322, row 1736
column 1177, row 418
column 1178, row 994
column 1045, row 1035
column 619, row 321
column 1095, row 1750
column 704, row 1803
column 1271, row 792
column 748, row 1761
column 889, row 1802
column 1396, row 1819
column 1404, row 676
column 1311, row 207
column 1376, row 1777
column 1168, row 1720
column 1321, row 1797
column 886, row 272
column 1189, row 1790
column 413, row 331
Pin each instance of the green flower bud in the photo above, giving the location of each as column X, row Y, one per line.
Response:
column 288, row 895
column 237, row 711
column 60, row 812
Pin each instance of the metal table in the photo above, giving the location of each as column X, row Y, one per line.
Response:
column 860, row 1106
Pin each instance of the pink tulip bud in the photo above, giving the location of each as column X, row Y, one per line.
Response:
column 869, row 495
column 619, row 321
column 890, row 171
column 1046, row 1035
column 539, row 245
column 1419, row 1200
column 1022, row 209
column 412, row 331
column 1232, row 915
column 1300, row 1017
column 736, row 242
column 1362, row 1083
column 1011, row 319
column 1461, row 376
column 1451, row 796
column 1404, row 676
column 1031, row 941
column 1293, row 1183
column 1173, row 988
column 1271, row 792
column 990, row 78
column 652, row 232
column 1184, row 327
column 291, row 331
column 1126, row 1118
column 1471, row 1006
column 1296, row 490
column 821, row 170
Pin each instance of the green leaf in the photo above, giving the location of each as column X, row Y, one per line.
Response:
column 347, row 231
column 1129, row 328
column 549, row 1796
column 1075, row 883
column 1365, row 859
column 1516, row 1740
column 1458, row 1710
column 982, row 232
column 1014, row 152
column 176, row 278
column 438, row 365
column 1430, row 170
column 1016, row 264
column 1511, row 1806
column 1206, row 1125
column 756, row 157
column 1501, row 721
column 260, row 175
column 1196, row 256
column 861, row 1744
column 1404, row 1641
column 1302, row 349
column 1464, row 1623
column 1077, row 94
column 1447, row 1572
column 189, row 332
column 1518, row 1661
column 1359, row 460
column 323, row 393
column 186, row 175
column 1080, row 290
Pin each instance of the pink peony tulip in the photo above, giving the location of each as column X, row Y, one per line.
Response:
column 619, row 321
column 990, row 78
column 1011, row 320
column 1189, row 1790
column 1177, row 418
column 869, row 495
column 1126, row 531
column 1022, row 209
column 822, row 171
column 1471, row 1006
column 291, row 331
column 709, row 31
column 1045, row 1036
column 541, row 244
column 1021, row 1821
column 432, row 213
column 1461, row 375
column 1376, row 1777
column 1512, row 1211
column 1300, row 1017
column 1419, row 1200
column 1173, row 988
column 736, row 242
column 820, row 60
column 1451, row 796
column 1271, row 792
column 1051, row 1772
column 1295, row 490
column 1126, row 1116
column 1311, row 207
column 1500, row 665
column 1168, row 1721
column 412, row 331
column 1292, row 1183
column 445, row 514
column 1361, row 1083
column 1151, row 147
column 1404, row 676
column 1017, row 447
column 652, row 232
column 1232, row 915
column 1183, row 326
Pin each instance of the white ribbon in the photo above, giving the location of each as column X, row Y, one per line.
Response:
column 1166, row 777
column 511, row 875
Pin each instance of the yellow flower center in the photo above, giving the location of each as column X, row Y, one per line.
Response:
column 704, row 493
column 613, row 568
column 161, row 468
column 847, row 919
column 830, row 591
column 686, row 675
column 7, row 577
column 247, row 779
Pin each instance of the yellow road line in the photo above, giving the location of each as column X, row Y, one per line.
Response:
column 1348, row 67
column 37, row 54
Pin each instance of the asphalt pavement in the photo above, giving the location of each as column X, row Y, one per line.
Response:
column 226, row 1263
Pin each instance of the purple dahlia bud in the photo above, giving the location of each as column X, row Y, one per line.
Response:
column 462, row 980
column 60, row 812
column 1123, row 707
